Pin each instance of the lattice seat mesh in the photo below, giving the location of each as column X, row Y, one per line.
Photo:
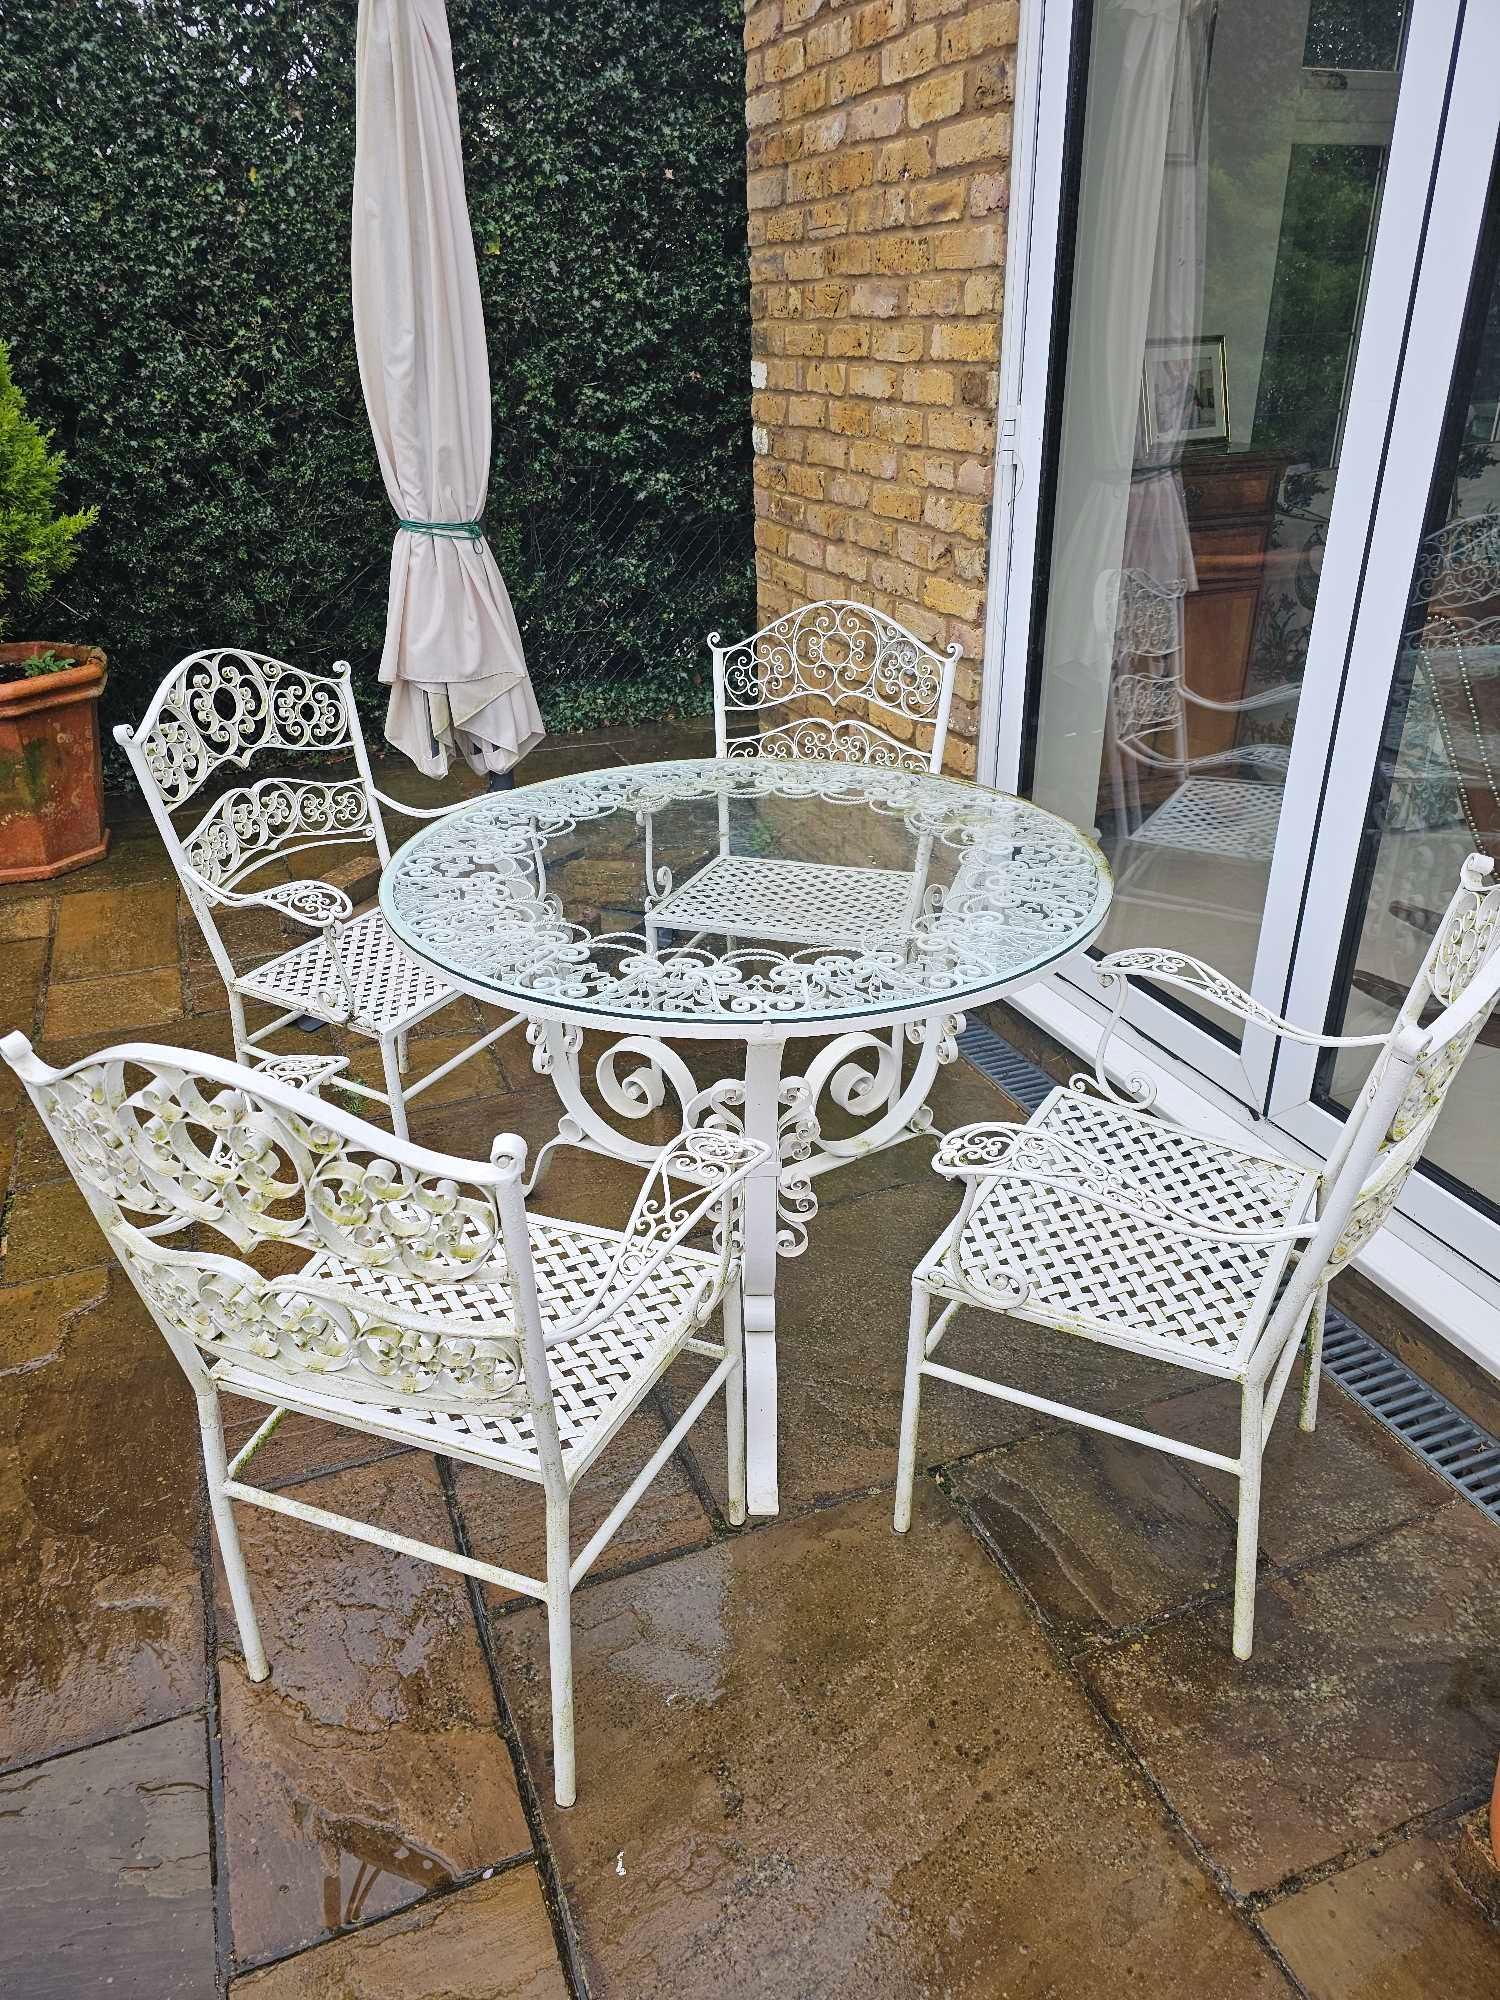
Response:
column 1127, row 1279
column 390, row 987
column 803, row 902
column 591, row 1377
column 1230, row 816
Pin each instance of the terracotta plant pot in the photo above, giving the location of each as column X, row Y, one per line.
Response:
column 51, row 782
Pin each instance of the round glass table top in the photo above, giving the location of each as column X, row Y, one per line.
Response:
column 719, row 895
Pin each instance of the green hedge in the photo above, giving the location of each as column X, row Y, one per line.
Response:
column 174, row 282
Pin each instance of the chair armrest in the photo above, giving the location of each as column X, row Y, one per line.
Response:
column 701, row 1171
column 1021, row 1154
column 310, row 902
column 1275, row 697
column 419, row 812
column 1193, row 975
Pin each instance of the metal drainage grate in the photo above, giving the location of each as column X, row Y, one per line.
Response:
column 1017, row 1075
column 1440, row 1434
column 1437, row 1431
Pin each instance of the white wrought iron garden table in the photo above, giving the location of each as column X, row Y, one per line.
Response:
column 851, row 905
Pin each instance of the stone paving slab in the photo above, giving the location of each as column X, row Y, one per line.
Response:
column 106, row 1873
column 369, row 1770
column 1372, row 1697
column 830, row 1760
column 491, row 1941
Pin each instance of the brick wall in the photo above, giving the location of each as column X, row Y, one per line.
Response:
column 878, row 147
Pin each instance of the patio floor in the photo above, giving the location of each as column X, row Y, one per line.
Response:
column 1007, row 1755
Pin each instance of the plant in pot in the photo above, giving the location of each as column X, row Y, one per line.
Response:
column 51, row 782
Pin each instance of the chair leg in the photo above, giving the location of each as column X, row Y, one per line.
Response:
column 906, row 1459
column 1247, row 1538
column 403, row 1053
column 391, row 1061
column 734, row 1402
column 216, row 1466
column 560, row 1649
column 1307, row 1416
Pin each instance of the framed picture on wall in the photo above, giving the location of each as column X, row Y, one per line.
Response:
column 1185, row 392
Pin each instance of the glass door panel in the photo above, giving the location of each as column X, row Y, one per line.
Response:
column 1229, row 180
column 1436, row 796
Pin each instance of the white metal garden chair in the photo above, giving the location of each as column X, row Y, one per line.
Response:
column 839, row 683
column 1208, row 810
column 429, row 1308
column 1100, row 1220
column 226, row 707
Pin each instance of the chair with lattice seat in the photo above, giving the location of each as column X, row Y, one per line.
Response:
column 1102, row 1221
column 838, row 683
column 413, row 1297
column 223, row 709
column 1208, row 809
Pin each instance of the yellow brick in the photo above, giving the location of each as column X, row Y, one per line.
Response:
column 825, row 134
column 981, row 28
column 927, row 385
column 785, row 59
column 853, row 169
column 807, row 481
column 762, row 25
column 764, row 108
column 826, row 301
column 806, row 180
column 982, row 292
column 960, row 757
column 809, row 93
column 825, row 450
column 785, row 225
column 808, row 260
column 810, row 412
column 935, row 97
column 847, row 562
column 912, row 56
column 940, row 593
column 897, row 343
column 902, row 253
column 877, row 117
column 850, row 256
column 970, row 244
column 853, row 77
column 796, row 13
column 865, row 455
column 938, row 201
column 847, row 340
column 895, row 578
column 893, row 503
column 878, row 21
column 848, row 491
column 897, row 423
column 866, row 379
column 765, row 190
column 989, row 193
column 955, row 517
column 952, row 430
column 966, row 340
column 879, row 536
column 829, row 39
column 904, row 160
column 939, row 296
column 875, row 301
column 990, row 83
column 849, row 419
column 832, row 522
column 802, row 339
column 767, row 409
column 827, row 377
column 974, row 139
column 828, row 218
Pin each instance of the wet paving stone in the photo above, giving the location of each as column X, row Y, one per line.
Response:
column 49, row 1229
column 490, row 1941
column 830, row 1760
column 106, row 1883
column 133, row 1002
column 507, row 1523
column 1397, row 1927
column 300, row 1448
column 1319, row 1490
column 21, row 968
column 101, row 1613
column 31, row 919
column 106, row 931
column 1103, row 1533
column 1373, row 1696
column 369, row 1769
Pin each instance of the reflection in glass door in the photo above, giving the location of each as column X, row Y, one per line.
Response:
column 1230, row 174
column 1436, row 797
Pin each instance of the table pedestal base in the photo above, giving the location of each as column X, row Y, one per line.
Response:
column 860, row 1072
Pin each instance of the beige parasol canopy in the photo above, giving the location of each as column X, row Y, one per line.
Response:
column 453, row 658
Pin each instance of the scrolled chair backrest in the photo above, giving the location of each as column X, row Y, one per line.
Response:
column 1409, row 1083
column 839, row 682
column 226, row 707
column 160, row 1140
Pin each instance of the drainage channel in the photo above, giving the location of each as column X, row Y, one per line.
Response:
column 1435, row 1430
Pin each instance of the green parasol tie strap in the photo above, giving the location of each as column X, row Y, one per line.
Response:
column 448, row 531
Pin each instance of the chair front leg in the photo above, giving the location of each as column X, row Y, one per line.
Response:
column 560, row 1648
column 734, row 1401
column 916, row 1354
column 1247, row 1536
column 1312, row 1365
column 216, row 1469
column 390, row 1057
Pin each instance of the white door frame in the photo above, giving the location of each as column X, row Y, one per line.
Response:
column 1430, row 198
